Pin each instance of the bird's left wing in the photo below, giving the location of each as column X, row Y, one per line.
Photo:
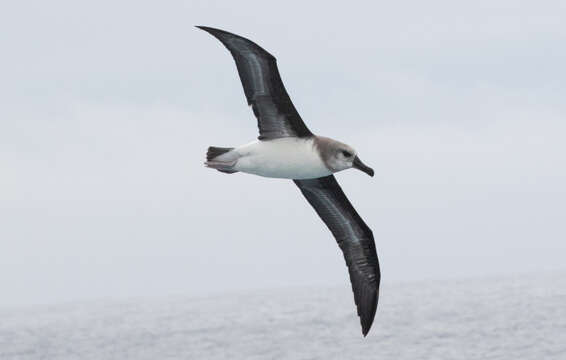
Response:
column 276, row 115
column 354, row 238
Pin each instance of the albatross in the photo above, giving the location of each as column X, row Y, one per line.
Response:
column 287, row 149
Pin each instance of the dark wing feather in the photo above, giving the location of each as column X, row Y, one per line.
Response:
column 276, row 115
column 354, row 238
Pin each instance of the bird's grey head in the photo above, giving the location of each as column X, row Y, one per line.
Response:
column 338, row 156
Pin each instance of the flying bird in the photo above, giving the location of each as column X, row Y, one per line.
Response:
column 287, row 149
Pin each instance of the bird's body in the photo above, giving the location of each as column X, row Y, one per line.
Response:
column 287, row 149
column 287, row 158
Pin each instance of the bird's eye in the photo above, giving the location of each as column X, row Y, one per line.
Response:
column 346, row 153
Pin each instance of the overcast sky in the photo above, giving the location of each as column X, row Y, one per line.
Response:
column 107, row 108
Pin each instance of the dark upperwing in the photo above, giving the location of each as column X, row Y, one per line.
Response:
column 276, row 115
column 354, row 238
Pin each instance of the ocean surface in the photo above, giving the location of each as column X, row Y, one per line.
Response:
column 513, row 317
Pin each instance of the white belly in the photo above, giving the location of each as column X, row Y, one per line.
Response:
column 288, row 158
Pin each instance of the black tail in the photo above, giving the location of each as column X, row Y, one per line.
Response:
column 214, row 151
column 225, row 165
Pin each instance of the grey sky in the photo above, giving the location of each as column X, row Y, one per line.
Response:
column 106, row 110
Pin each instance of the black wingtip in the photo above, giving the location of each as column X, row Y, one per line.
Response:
column 211, row 30
column 366, row 326
column 221, row 35
column 367, row 318
column 205, row 28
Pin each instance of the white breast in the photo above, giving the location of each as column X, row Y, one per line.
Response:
column 289, row 158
